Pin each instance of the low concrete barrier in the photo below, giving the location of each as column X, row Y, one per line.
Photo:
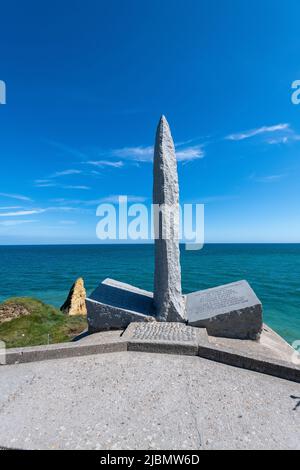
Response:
column 60, row 351
column 130, row 341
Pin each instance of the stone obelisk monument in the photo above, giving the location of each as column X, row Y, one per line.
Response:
column 168, row 299
column 229, row 311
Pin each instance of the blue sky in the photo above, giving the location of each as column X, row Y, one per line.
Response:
column 86, row 84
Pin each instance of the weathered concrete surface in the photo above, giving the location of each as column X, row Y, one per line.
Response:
column 273, row 358
column 122, row 401
column 114, row 305
column 270, row 345
column 75, row 302
column 168, row 298
column 99, row 343
column 229, row 311
column 101, row 337
column 271, row 355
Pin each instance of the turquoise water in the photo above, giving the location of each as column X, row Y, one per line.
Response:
column 47, row 272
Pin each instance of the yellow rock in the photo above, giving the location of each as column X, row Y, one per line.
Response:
column 75, row 303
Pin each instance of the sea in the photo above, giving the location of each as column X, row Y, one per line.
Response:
column 47, row 273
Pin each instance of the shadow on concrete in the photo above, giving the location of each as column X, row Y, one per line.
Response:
column 297, row 404
column 81, row 335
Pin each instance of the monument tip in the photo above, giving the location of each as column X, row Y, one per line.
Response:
column 163, row 121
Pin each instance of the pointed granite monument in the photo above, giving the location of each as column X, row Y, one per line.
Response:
column 231, row 310
column 168, row 300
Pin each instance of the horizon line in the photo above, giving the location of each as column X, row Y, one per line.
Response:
column 145, row 244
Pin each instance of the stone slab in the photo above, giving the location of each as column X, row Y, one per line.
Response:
column 114, row 305
column 124, row 296
column 231, row 311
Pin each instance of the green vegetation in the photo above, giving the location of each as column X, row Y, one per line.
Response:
column 44, row 325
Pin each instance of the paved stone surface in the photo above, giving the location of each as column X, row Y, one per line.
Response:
column 270, row 345
column 168, row 298
column 101, row 337
column 230, row 311
column 119, row 401
column 271, row 355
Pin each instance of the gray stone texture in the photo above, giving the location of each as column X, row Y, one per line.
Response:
column 168, row 298
column 113, row 305
column 122, row 401
column 162, row 337
column 230, row 311
column 98, row 345
column 174, row 332
column 270, row 355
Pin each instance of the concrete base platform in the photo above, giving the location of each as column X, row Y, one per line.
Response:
column 272, row 356
column 134, row 400
column 270, row 345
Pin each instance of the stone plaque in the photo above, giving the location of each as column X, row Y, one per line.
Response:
column 231, row 310
column 164, row 332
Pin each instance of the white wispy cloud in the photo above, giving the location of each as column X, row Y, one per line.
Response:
column 260, row 130
column 267, row 178
column 66, row 149
column 145, row 153
column 278, row 140
column 79, row 208
column 219, row 198
column 70, row 186
column 63, row 201
column 50, row 184
column 65, row 173
column 20, row 197
column 42, row 181
column 23, row 212
column 44, row 184
column 114, row 199
column 62, row 208
column 140, row 153
column 103, row 163
column 10, row 223
column 190, row 153
column 291, row 136
column 68, row 222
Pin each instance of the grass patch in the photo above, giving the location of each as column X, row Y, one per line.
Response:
column 44, row 324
